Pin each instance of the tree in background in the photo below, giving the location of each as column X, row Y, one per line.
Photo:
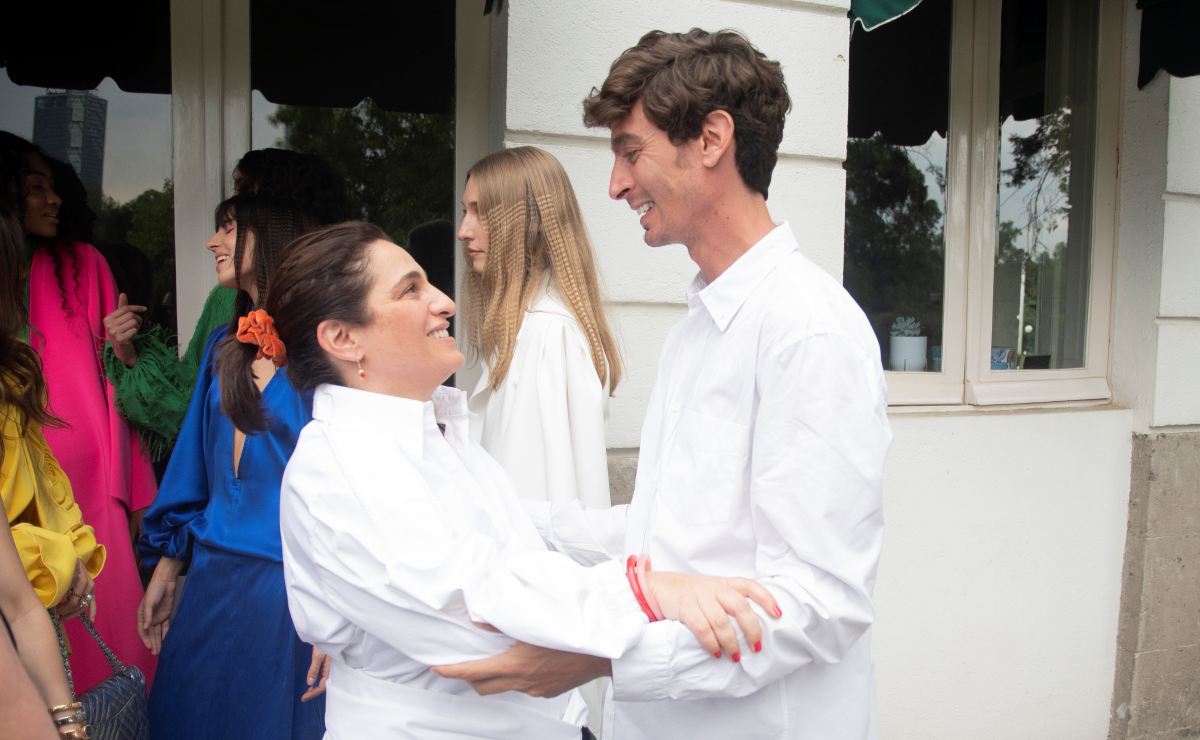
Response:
column 146, row 223
column 398, row 167
column 894, row 246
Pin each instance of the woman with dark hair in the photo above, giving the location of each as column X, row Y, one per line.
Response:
column 48, row 556
column 70, row 291
column 401, row 535
column 231, row 665
column 154, row 390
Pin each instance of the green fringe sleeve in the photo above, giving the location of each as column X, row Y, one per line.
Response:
column 153, row 394
column 218, row 311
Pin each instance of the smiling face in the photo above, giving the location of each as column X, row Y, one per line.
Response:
column 407, row 350
column 655, row 178
column 223, row 245
column 41, row 202
column 472, row 232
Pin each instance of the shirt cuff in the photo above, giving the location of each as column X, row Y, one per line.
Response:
column 644, row 672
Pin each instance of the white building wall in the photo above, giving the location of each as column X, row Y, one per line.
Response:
column 999, row 586
column 558, row 51
column 999, row 590
column 1177, row 390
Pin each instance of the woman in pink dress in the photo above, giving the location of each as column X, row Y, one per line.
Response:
column 71, row 291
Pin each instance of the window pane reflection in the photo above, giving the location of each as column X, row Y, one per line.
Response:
column 1044, row 215
column 117, row 146
column 896, row 183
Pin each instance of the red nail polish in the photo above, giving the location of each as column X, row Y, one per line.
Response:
column 736, row 657
column 758, row 646
column 717, row 654
column 778, row 612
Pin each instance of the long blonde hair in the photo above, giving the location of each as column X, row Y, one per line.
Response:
column 534, row 229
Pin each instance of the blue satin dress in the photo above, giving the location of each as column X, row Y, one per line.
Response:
column 232, row 665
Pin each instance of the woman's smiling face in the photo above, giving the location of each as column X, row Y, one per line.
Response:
column 41, row 202
column 407, row 349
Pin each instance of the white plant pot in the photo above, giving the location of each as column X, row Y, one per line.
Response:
column 907, row 354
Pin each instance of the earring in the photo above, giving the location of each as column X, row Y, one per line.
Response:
column 362, row 374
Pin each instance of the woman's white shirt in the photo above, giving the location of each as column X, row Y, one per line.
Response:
column 545, row 423
column 397, row 539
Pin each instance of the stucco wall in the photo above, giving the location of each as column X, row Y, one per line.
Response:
column 1155, row 351
column 558, row 51
column 1000, row 581
column 1177, row 392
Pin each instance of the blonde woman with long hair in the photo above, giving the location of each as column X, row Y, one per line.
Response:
column 537, row 324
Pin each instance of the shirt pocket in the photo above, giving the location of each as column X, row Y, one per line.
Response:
column 705, row 477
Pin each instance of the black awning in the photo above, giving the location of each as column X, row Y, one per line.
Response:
column 302, row 52
column 322, row 53
column 75, row 45
column 900, row 77
column 1170, row 38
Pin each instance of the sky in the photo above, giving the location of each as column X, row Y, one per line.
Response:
column 1012, row 202
column 137, row 138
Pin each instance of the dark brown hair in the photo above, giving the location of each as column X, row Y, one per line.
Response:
column 682, row 77
column 75, row 218
column 323, row 275
column 275, row 223
column 22, row 386
column 304, row 178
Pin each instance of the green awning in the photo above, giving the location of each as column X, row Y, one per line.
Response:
column 874, row 13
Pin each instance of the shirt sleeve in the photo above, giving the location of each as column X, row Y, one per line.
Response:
column 184, row 492
column 587, row 536
column 153, row 394
column 395, row 567
column 48, row 529
column 819, row 441
column 571, row 403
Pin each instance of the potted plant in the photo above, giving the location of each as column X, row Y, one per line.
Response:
column 907, row 346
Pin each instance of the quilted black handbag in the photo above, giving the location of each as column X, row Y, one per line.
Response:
column 116, row 708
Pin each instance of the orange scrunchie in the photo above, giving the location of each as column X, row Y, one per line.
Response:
column 257, row 327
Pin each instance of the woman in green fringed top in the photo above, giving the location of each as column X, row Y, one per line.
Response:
column 154, row 388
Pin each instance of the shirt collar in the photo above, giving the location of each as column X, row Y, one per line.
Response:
column 404, row 419
column 723, row 297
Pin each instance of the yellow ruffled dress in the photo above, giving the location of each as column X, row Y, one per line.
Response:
column 46, row 523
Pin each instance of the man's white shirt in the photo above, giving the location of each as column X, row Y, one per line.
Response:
column 761, row 456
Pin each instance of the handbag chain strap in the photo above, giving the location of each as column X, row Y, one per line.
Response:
column 62, row 649
column 113, row 661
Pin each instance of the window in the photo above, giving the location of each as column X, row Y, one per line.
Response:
column 980, row 198
column 117, row 145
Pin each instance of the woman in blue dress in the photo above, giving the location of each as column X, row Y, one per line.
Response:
column 232, row 664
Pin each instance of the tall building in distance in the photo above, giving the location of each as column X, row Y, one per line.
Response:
column 69, row 126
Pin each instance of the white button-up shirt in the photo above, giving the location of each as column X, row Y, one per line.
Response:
column 396, row 538
column 761, row 456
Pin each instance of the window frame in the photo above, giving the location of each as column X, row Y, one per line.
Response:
column 972, row 170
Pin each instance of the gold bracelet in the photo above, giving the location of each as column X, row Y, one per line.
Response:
column 75, row 733
column 70, row 719
column 72, row 707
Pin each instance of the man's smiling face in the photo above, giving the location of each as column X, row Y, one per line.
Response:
column 655, row 177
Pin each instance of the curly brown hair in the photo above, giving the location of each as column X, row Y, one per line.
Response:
column 682, row 77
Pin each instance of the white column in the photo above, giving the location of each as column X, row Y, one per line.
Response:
column 210, row 115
